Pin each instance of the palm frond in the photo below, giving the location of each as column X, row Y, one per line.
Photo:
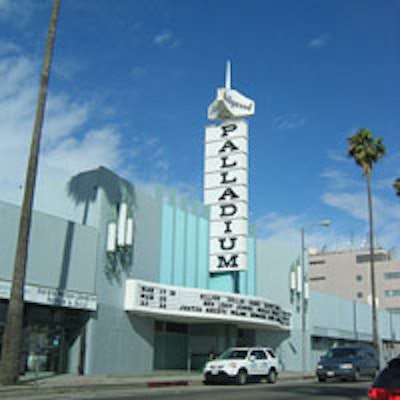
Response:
column 365, row 149
column 396, row 186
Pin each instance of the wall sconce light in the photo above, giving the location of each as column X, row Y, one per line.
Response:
column 111, row 237
column 299, row 279
column 120, row 233
column 292, row 280
column 129, row 232
column 122, row 217
column 306, row 290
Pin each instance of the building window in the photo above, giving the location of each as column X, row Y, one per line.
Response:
column 360, row 295
column 317, row 262
column 318, row 278
column 392, row 275
column 392, row 293
column 364, row 258
column 359, row 278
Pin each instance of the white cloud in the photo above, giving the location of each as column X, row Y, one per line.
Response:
column 318, row 42
column 337, row 156
column 289, row 121
column 63, row 118
column 271, row 223
column 285, row 230
column 5, row 6
column 339, row 181
column 72, row 142
column 66, row 148
column 393, row 157
column 7, row 48
column 354, row 204
column 19, row 12
column 17, row 74
column 346, row 195
column 67, row 68
column 139, row 72
column 386, row 214
column 101, row 146
column 17, row 99
column 163, row 38
column 166, row 39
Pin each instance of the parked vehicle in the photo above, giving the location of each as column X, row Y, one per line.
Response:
column 241, row 364
column 387, row 384
column 348, row 362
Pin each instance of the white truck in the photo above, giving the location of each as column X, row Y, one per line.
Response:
column 242, row 364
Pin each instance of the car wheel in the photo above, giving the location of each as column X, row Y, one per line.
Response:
column 271, row 377
column 241, row 377
column 321, row 379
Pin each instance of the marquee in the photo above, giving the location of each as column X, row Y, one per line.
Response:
column 201, row 305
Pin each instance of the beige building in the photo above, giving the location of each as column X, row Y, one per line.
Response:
column 347, row 274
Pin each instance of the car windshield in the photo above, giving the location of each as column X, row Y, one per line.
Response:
column 341, row 353
column 233, row 354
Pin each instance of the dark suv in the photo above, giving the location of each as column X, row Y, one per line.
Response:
column 348, row 362
column 387, row 384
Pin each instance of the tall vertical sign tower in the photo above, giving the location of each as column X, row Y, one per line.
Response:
column 226, row 178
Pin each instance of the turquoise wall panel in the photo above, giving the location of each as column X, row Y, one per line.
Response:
column 222, row 282
column 191, row 251
column 179, row 248
column 251, row 273
column 167, row 236
column 202, row 271
column 184, row 257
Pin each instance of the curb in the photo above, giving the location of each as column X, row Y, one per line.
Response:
column 16, row 391
column 43, row 390
column 35, row 389
column 167, row 383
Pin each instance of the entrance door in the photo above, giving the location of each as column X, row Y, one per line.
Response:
column 49, row 335
column 170, row 346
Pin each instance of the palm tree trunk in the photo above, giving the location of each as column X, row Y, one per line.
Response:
column 13, row 333
column 375, row 339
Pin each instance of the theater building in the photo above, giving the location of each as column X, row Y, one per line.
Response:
column 134, row 282
column 142, row 298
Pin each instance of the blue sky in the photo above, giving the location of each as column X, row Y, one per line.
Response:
column 131, row 82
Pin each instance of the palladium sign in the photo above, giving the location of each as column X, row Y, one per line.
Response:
column 226, row 179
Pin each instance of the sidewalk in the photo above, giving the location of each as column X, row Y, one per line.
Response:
column 30, row 385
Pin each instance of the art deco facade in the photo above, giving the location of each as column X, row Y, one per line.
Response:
column 124, row 288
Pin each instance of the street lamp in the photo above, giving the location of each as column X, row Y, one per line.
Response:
column 324, row 223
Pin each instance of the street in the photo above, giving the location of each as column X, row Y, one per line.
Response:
column 285, row 390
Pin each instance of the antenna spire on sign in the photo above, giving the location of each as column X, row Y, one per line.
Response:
column 229, row 103
column 228, row 75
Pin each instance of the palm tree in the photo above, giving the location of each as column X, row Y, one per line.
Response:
column 13, row 333
column 366, row 151
column 396, row 186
